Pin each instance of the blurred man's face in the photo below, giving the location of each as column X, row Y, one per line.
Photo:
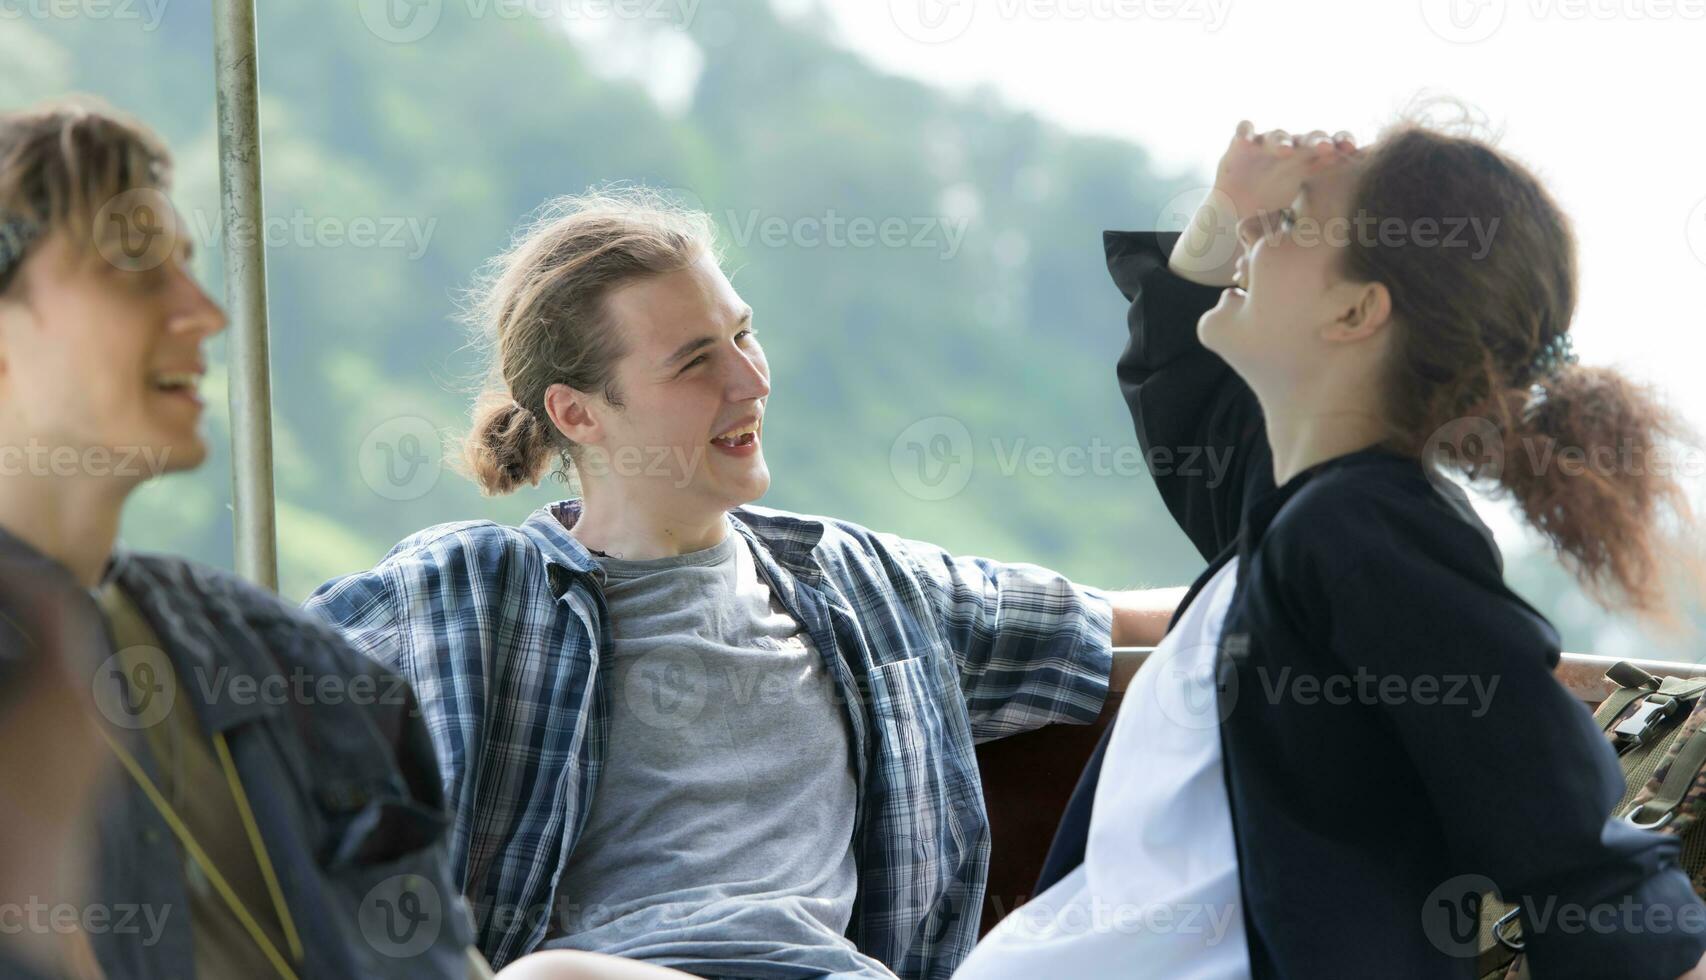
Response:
column 100, row 365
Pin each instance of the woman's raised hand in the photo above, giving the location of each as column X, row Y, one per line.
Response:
column 1259, row 172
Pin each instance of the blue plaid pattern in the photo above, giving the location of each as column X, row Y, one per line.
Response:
column 500, row 631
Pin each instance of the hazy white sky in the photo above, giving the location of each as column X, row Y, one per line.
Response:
column 1600, row 97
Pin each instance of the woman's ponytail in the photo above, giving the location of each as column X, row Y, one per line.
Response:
column 1591, row 459
column 1483, row 339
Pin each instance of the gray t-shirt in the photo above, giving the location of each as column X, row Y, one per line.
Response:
column 719, row 840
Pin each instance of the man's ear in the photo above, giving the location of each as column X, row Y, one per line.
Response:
column 570, row 410
column 1364, row 309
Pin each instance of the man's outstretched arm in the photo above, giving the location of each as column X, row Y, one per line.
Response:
column 1141, row 617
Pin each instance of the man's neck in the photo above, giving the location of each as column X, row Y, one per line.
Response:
column 75, row 522
column 621, row 527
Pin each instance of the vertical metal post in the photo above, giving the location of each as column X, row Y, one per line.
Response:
column 236, row 78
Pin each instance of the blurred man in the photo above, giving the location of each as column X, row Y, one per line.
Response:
column 274, row 809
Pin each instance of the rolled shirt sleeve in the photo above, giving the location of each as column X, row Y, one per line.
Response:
column 1031, row 647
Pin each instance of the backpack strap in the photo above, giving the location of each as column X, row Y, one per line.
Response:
column 1685, row 768
column 1657, row 700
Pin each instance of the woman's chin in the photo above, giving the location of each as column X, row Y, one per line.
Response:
column 1213, row 326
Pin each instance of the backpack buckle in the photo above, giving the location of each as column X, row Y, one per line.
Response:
column 1650, row 712
column 1632, row 817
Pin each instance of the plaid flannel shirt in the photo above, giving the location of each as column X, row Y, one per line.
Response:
column 500, row 630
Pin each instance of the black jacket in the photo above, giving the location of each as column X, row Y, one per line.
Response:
column 1393, row 738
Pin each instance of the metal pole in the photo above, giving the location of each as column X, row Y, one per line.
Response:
column 237, row 89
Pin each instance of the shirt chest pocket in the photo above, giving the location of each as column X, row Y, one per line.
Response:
column 925, row 779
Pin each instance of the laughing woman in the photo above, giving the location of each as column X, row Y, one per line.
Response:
column 1352, row 724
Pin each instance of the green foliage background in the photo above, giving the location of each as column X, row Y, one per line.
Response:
column 466, row 130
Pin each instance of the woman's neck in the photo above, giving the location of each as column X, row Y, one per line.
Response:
column 1311, row 436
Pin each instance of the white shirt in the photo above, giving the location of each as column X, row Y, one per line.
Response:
column 1157, row 894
